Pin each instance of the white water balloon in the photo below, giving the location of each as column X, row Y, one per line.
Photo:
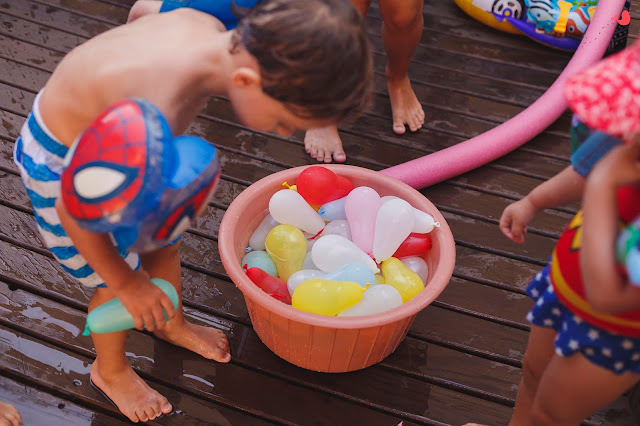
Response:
column 332, row 251
column 376, row 299
column 289, row 208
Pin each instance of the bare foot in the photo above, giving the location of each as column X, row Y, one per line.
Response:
column 209, row 342
column 9, row 416
column 405, row 107
column 133, row 397
column 323, row 144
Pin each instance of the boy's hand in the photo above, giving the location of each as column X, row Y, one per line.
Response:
column 515, row 218
column 145, row 301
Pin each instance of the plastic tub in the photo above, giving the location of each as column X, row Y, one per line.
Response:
column 318, row 342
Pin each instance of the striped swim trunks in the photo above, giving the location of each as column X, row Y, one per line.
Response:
column 40, row 158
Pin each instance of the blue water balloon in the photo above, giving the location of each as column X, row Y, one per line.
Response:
column 259, row 259
column 355, row 272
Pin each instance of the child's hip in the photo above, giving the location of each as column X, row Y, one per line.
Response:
column 40, row 158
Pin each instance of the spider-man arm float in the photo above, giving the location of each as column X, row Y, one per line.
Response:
column 129, row 185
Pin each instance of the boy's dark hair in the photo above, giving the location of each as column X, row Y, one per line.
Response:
column 314, row 56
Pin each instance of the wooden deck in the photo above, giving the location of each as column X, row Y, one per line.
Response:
column 461, row 360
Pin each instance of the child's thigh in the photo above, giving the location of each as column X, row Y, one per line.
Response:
column 163, row 263
column 572, row 388
column 539, row 351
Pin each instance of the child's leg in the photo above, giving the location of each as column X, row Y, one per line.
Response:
column 402, row 24
column 143, row 7
column 540, row 350
column 324, row 144
column 209, row 342
column 584, row 388
column 112, row 373
column 9, row 415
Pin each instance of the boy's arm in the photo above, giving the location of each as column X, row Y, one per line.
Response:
column 606, row 289
column 563, row 188
column 139, row 296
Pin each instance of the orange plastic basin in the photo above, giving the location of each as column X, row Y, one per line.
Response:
column 318, row 342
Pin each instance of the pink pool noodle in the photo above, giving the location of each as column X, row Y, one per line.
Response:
column 472, row 153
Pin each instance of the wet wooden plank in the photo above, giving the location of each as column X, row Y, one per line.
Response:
column 491, row 298
column 76, row 296
column 40, row 363
column 40, row 408
column 66, row 15
column 43, row 314
column 30, row 237
column 238, row 143
column 198, row 299
column 439, row 123
column 501, row 76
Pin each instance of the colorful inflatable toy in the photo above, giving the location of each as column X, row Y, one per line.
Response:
column 560, row 24
column 494, row 12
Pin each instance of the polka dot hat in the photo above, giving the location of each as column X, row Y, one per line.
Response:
column 606, row 96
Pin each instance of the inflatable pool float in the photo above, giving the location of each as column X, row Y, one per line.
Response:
column 494, row 13
column 560, row 24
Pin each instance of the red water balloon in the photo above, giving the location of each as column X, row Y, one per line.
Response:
column 319, row 185
column 273, row 286
column 414, row 245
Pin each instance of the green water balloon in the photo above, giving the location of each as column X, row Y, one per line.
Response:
column 113, row 316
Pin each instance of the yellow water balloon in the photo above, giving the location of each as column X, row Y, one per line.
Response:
column 287, row 247
column 326, row 297
column 403, row 279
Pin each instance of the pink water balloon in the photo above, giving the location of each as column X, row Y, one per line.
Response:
column 361, row 209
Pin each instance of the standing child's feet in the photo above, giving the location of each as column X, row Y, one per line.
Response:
column 9, row 415
column 209, row 342
column 405, row 106
column 323, row 144
column 132, row 395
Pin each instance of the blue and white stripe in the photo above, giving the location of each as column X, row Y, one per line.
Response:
column 40, row 158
